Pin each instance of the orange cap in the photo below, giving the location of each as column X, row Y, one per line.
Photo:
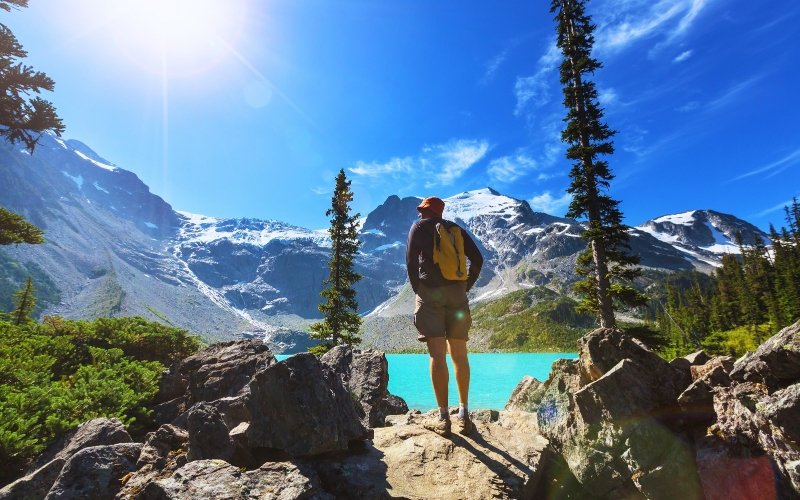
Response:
column 432, row 203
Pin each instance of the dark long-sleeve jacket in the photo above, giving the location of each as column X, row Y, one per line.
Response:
column 419, row 256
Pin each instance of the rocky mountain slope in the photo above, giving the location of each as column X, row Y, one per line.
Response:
column 114, row 248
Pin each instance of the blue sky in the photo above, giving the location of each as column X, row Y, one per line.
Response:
column 248, row 108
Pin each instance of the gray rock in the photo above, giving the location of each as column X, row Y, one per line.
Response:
column 225, row 369
column 484, row 415
column 95, row 472
column 715, row 372
column 35, row 485
column 519, row 399
column 96, row 432
column 776, row 362
column 219, row 480
column 697, row 400
column 761, row 423
column 159, row 444
column 208, row 434
column 302, row 409
column 599, row 351
column 695, row 358
column 731, row 472
column 366, row 376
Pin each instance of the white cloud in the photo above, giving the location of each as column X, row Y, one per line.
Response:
column 374, row 169
column 686, row 54
column 546, row 203
column 535, row 89
column 437, row 165
column 607, row 97
column 493, row 65
column 507, row 169
column 320, row 190
column 689, row 106
column 457, row 157
column 622, row 23
column 775, row 167
column 734, row 91
column 775, row 208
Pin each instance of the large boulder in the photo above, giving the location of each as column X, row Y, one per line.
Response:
column 302, row 409
column 159, row 444
column 219, row 479
column 96, row 432
column 760, row 423
column 612, row 414
column 208, row 434
column 95, row 472
column 220, row 370
column 34, row 486
column 520, row 396
column 776, row 362
column 599, row 351
column 366, row 376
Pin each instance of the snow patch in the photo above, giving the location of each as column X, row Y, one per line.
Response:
column 104, row 166
column 376, row 232
column 203, row 229
column 387, row 247
column 100, row 188
column 78, row 180
column 470, row 204
column 151, row 225
column 684, row 218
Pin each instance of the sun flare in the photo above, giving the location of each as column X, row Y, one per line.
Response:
column 182, row 37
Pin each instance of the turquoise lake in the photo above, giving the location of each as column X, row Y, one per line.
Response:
column 493, row 377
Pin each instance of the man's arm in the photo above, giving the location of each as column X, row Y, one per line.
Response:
column 475, row 259
column 412, row 259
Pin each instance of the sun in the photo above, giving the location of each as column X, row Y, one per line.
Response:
column 181, row 37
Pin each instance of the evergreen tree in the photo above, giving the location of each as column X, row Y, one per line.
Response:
column 607, row 267
column 24, row 303
column 342, row 322
column 23, row 118
column 15, row 229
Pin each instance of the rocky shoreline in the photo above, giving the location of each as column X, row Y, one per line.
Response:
column 618, row 422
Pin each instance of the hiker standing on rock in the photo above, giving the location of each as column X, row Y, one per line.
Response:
column 437, row 269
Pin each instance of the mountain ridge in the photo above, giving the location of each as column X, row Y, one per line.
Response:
column 228, row 277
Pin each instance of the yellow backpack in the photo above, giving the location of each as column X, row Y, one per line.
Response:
column 448, row 251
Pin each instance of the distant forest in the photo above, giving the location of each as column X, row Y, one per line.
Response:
column 748, row 299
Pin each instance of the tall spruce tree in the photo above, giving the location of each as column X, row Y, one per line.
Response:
column 24, row 304
column 606, row 265
column 22, row 118
column 342, row 322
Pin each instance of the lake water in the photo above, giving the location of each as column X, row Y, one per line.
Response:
column 493, row 377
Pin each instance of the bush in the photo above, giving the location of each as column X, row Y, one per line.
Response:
column 59, row 373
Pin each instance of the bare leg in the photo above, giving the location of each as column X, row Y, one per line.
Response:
column 458, row 353
column 437, row 349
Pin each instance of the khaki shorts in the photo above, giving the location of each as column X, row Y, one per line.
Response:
column 442, row 312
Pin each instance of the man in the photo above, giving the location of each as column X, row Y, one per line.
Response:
column 441, row 313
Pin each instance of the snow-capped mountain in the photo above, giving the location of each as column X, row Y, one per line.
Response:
column 704, row 235
column 114, row 248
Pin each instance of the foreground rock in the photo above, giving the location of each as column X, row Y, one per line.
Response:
column 45, row 470
column 365, row 374
column 630, row 425
column 301, row 409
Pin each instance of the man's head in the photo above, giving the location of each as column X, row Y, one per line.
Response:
column 431, row 207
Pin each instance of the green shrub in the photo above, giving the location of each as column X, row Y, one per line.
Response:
column 59, row 373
